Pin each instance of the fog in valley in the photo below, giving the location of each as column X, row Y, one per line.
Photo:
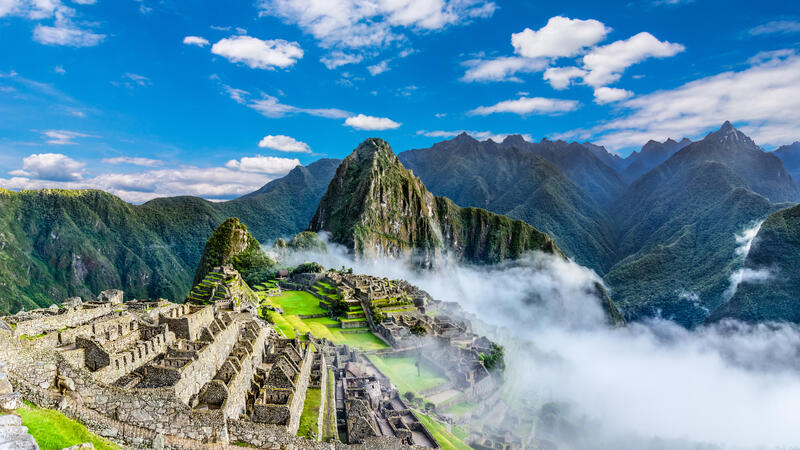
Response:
column 650, row 384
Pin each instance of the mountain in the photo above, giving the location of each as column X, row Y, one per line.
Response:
column 790, row 156
column 677, row 225
column 512, row 180
column 770, row 286
column 230, row 243
column 56, row 243
column 611, row 160
column 652, row 154
column 377, row 207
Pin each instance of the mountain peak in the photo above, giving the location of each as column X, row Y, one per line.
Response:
column 514, row 139
column 727, row 133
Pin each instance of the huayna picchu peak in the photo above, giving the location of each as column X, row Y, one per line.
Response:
column 377, row 207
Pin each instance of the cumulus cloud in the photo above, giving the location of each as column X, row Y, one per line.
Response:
column 606, row 64
column 363, row 122
column 561, row 36
column 603, row 95
column 195, row 40
column 763, row 98
column 51, row 167
column 379, row 68
column 501, row 69
column 528, row 105
column 480, row 135
column 358, row 24
column 263, row 164
column 283, row 143
column 561, row 77
column 258, row 54
column 133, row 161
column 777, row 27
column 337, row 58
column 64, row 31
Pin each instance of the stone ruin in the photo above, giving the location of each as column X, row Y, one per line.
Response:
column 186, row 375
column 369, row 406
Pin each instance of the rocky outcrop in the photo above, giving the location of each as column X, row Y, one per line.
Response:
column 377, row 207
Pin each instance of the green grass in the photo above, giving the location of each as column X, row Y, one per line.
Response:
column 298, row 302
column 54, row 431
column 446, row 439
column 309, row 417
column 330, row 407
column 403, row 373
column 461, row 408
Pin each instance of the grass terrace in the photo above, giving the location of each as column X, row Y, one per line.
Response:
column 446, row 439
column 54, row 431
column 403, row 373
column 298, row 302
column 310, row 416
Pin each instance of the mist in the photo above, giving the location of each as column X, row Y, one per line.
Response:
column 650, row 384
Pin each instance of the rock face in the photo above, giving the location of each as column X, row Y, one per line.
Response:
column 376, row 207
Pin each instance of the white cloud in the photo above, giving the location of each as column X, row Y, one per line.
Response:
column 64, row 30
column 528, row 105
column 606, row 63
column 195, row 40
column 361, row 24
column 237, row 95
column 777, row 27
column 603, row 95
column 363, row 122
column 84, row 2
column 140, row 80
column 283, row 143
column 269, row 106
column 763, row 99
column 59, row 70
column 501, row 69
column 480, row 135
column 561, row 77
column 379, row 68
column 561, row 36
column 337, row 59
column 239, row 177
column 257, row 53
column 263, row 164
column 62, row 137
column 51, row 167
column 133, row 161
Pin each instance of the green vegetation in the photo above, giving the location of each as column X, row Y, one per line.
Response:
column 308, row 267
column 362, row 220
column 298, row 302
column 306, row 240
column 330, row 409
column 495, row 359
column 406, row 375
column 446, row 439
column 231, row 243
column 54, row 431
column 309, row 419
column 58, row 243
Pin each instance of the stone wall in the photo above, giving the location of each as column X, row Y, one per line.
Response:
column 187, row 321
column 71, row 317
column 236, row 400
column 300, row 387
column 125, row 362
column 209, row 359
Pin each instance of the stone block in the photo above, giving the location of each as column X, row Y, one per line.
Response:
column 10, row 402
column 10, row 420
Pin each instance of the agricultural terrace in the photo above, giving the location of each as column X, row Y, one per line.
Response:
column 295, row 304
column 403, row 373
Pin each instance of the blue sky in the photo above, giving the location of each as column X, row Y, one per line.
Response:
column 148, row 98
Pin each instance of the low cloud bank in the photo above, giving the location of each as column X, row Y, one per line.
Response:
column 652, row 384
